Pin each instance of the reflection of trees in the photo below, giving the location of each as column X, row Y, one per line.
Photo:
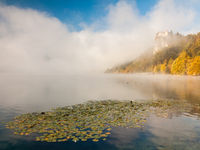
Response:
column 167, row 86
column 187, row 89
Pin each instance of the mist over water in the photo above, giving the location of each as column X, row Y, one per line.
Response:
column 33, row 92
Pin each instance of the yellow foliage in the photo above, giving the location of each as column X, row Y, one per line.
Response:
column 194, row 66
column 163, row 67
column 180, row 58
column 179, row 66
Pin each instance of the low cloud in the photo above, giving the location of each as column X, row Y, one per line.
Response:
column 35, row 42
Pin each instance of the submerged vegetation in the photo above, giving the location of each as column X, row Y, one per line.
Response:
column 92, row 120
column 181, row 57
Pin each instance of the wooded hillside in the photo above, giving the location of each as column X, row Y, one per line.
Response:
column 181, row 57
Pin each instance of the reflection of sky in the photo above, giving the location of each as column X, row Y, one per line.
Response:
column 181, row 132
column 42, row 92
column 123, row 136
column 131, row 138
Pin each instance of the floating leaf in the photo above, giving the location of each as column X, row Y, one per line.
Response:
column 92, row 120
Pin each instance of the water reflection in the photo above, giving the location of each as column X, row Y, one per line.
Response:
column 174, row 130
column 165, row 86
column 180, row 132
column 46, row 91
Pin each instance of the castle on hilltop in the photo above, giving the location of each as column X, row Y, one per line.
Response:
column 165, row 39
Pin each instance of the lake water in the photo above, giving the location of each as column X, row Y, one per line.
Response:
column 30, row 93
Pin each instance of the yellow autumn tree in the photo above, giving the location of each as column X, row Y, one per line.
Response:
column 194, row 66
column 163, row 67
column 179, row 66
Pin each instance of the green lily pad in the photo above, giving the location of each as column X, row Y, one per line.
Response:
column 92, row 120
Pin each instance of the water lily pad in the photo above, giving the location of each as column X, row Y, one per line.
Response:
column 92, row 120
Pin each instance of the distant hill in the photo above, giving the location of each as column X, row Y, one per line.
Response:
column 172, row 53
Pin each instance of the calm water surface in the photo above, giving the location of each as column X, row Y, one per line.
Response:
column 29, row 93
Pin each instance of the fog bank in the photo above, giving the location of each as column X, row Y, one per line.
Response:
column 35, row 42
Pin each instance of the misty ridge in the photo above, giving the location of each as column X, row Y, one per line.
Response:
column 172, row 54
column 34, row 42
